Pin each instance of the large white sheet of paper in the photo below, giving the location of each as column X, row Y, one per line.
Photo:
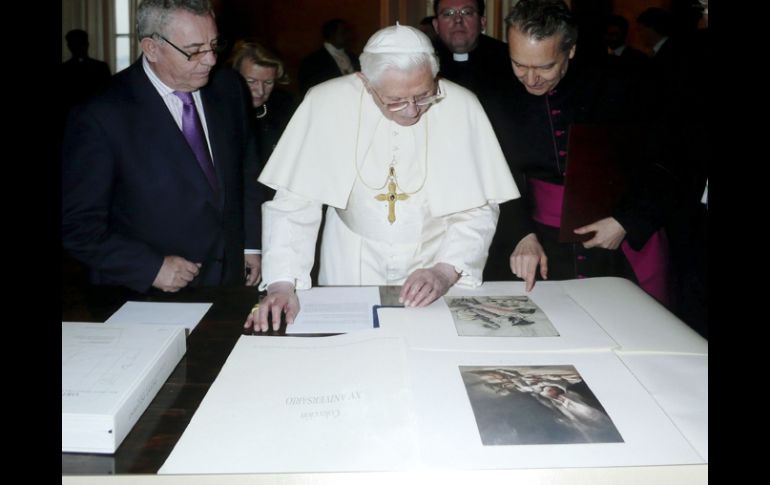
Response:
column 432, row 327
column 335, row 310
column 679, row 383
column 450, row 437
column 632, row 317
column 187, row 315
column 283, row 404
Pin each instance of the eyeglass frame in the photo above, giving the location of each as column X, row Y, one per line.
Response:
column 216, row 50
column 451, row 13
column 432, row 99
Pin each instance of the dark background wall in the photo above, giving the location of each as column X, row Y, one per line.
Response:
column 293, row 27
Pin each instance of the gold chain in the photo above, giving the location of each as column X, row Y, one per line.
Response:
column 391, row 175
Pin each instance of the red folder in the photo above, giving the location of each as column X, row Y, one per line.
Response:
column 598, row 162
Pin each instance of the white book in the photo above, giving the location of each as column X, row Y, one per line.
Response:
column 110, row 373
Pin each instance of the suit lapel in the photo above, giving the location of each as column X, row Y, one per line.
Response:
column 219, row 130
column 168, row 137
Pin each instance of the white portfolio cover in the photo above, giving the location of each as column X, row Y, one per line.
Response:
column 633, row 318
column 451, row 429
column 110, row 373
column 288, row 404
column 187, row 315
column 680, row 384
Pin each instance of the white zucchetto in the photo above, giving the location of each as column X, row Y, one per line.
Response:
column 399, row 39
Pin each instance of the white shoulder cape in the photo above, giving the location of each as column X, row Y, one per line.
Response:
column 315, row 157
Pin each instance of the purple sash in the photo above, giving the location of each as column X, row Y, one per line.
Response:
column 649, row 265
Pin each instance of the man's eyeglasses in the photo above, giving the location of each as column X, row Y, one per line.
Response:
column 419, row 102
column 217, row 46
column 450, row 13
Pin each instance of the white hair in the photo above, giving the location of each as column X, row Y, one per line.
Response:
column 152, row 16
column 374, row 65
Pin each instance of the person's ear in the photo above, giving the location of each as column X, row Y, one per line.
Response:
column 365, row 81
column 150, row 49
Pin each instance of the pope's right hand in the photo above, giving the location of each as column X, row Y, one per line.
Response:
column 280, row 299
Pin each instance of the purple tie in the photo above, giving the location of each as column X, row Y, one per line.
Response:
column 193, row 132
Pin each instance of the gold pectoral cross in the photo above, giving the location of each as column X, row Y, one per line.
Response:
column 391, row 197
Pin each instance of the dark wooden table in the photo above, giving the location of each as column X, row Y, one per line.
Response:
column 151, row 440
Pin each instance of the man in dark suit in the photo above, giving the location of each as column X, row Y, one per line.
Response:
column 81, row 77
column 620, row 55
column 332, row 60
column 146, row 203
column 655, row 26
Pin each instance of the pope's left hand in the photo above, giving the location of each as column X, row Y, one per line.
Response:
column 425, row 285
column 609, row 233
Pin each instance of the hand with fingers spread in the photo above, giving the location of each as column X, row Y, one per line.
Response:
column 609, row 234
column 280, row 299
column 525, row 258
column 175, row 273
column 425, row 285
column 253, row 265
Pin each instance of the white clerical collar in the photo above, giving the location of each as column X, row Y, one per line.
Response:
column 461, row 57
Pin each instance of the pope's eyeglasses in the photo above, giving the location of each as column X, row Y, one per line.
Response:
column 419, row 102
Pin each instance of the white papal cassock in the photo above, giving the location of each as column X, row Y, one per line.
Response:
column 453, row 189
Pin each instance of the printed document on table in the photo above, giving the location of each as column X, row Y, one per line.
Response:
column 187, row 315
column 335, row 310
column 502, row 417
column 565, row 325
column 339, row 403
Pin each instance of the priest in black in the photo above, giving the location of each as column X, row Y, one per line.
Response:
column 481, row 64
column 466, row 55
column 533, row 127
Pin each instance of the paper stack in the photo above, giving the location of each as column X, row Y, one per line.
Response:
column 110, row 373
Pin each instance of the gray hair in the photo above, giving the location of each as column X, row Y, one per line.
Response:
column 542, row 19
column 153, row 15
column 374, row 65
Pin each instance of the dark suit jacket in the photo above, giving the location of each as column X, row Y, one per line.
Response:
column 80, row 79
column 319, row 66
column 133, row 191
column 632, row 61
